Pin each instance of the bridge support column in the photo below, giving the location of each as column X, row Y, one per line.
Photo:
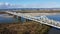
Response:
column 10, row 14
column 20, row 19
column 27, row 20
column 15, row 16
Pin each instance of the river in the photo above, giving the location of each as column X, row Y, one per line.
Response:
column 5, row 18
column 54, row 30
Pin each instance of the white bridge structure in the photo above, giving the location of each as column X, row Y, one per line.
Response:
column 42, row 19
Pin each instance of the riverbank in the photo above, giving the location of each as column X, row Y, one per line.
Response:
column 6, row 16
column 1, row 12
column 24, row 28
column 41, row 14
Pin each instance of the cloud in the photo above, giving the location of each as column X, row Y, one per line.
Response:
column 42, row 5
column 8, row 5
column 4, row 5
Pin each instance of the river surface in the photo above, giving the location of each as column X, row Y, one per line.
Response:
column 4, row 18
column 54, row 30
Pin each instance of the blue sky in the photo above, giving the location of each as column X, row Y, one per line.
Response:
column 35, row 3
column 29, row 1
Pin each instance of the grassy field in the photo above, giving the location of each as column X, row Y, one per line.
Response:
column 30, row 27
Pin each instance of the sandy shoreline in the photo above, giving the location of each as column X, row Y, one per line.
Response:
column 40, row 14
column 5, row 16
column 32, row 14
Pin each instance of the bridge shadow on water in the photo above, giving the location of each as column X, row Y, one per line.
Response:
column 54, row 30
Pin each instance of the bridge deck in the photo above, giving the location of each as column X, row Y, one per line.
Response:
column 42, row 19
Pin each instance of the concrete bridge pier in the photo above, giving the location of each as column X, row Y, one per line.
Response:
column 10, row 14
column 14, row 16
column 20, row 19
column 27, row 20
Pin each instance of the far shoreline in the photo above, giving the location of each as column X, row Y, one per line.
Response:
column 41, row 14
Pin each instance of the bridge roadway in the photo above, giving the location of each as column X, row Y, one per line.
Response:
column 42, row 19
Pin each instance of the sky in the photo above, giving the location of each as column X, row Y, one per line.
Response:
column 33, row 3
